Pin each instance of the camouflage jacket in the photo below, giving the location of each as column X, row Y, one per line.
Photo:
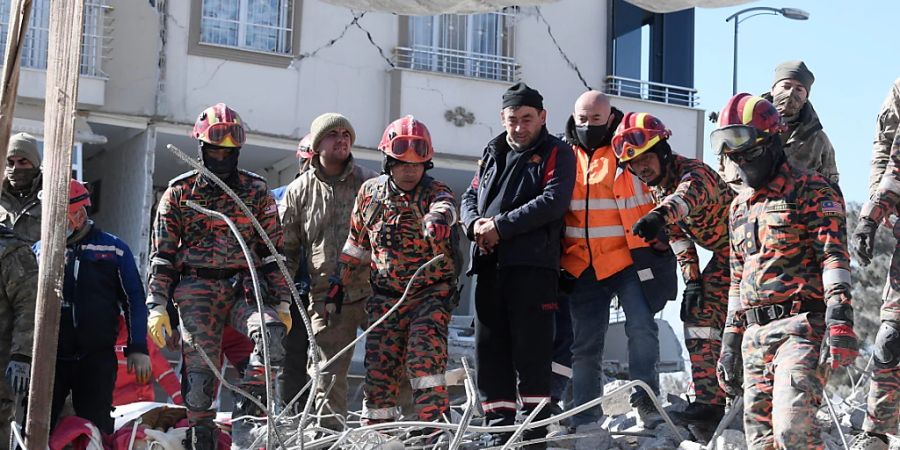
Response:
column 694, row 201
column 388, row 223
column 885, row 132
column 886, row 199
column 184, row 238
column 317, row 220
column 22, row 214
column 788, row 243
column 18, row 275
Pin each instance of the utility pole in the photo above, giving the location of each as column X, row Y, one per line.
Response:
column 20, row 12
column 63, row 66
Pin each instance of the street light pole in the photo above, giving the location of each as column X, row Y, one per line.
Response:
column 790, row 13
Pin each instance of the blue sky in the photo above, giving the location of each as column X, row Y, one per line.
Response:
column 852, row 48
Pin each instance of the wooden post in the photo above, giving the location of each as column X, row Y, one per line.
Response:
column 20, row 12
column 63, row 66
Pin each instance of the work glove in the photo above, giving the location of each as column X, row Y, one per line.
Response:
column 840, row 345
column 18, row 374
column 436, row 226
column 887, row 345
column 284, row 314
column 691, row 299
column 139, row 363
column 649, row 226
column 303, row 287
column 864, row 240
column 730, row 366
column 566, row 282
column 334, row 300
column 158, row 325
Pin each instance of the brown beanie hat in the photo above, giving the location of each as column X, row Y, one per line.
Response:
column 327, row 122
column 794, row 70
column 24, row 145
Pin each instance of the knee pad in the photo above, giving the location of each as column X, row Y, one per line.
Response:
column 199, row 395
column 277, row 332
column 887, row 345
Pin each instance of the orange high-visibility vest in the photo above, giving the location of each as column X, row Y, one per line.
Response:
column 606, row 202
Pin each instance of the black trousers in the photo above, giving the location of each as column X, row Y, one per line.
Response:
column 296, row 346
column 91, row 380
column 514, row 337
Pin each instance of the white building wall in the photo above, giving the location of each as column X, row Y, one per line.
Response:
column 686, row 123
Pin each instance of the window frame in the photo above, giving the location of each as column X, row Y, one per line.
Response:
column 238, row 54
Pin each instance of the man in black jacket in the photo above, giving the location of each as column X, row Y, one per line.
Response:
column 513, row 212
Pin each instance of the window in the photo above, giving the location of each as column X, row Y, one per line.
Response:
column 475, row 45
column 37, row 39
column 256, row 25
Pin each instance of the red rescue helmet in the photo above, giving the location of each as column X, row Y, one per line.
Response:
column 220, row 125
column 408, row 140
column 745, row 121
column 78, row 196
column 304, row 148
column 637, row 133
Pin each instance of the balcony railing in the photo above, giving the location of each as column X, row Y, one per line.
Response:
column 654, row 92
column 457, row 62
column 37, row 39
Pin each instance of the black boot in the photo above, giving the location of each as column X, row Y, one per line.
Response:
column 697, row 413
column 242, row 435
column 201, row 437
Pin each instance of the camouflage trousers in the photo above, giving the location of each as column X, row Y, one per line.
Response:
column 205, row 306
column 703, row 330
column 783, row 382
column 7, row 398
column 883, row 412
column 410, row 344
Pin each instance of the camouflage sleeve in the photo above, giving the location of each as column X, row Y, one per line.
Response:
column 442, row 202
column 691, row 193
column 886, row 198
column 267, row 215
column 685, row 253
column 733, row 320
column 823, row 213
column 885, row 131
column 19, row 270
column 293, row 235
column 357, row 245
column 829, row 164
column 164, row 269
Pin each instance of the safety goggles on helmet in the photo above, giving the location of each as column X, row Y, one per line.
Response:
column 217, row 133
column 402, row 144
column 633, row 141
column 736, row 138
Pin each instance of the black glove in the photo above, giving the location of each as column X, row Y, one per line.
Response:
column 863, row 240
column 334, row 300
column 729, row 368
column 649, row 226
column 887, row 345
column 303, row 287
column 566, row 282
column 840, row 346
column 692, row 299
column 18, row 374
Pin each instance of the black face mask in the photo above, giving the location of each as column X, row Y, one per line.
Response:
column 21, row 178
column 223, row 168
column 593, row 136
column 758, row 172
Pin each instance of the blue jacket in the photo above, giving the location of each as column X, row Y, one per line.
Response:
column 101, row 282
column 532, row 202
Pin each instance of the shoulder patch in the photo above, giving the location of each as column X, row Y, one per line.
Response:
column 832, row 208
column 182, row 177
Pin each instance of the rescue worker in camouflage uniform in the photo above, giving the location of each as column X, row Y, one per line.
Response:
column 692, row 205
column 789, row 314
column 20, row 201
column 883, row 413
column 403, row 219
column 197, row 261
column 316, row 222
column 18, row 290
column 805, row 143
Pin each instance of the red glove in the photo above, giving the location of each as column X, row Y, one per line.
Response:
column 436, row 226
column 843, row 345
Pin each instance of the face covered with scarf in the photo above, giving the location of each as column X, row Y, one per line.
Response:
column 789, row 96
column 757, row 164
column 20, row 172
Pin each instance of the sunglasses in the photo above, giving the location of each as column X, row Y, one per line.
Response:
column 634, row 139
column 402, row 144
column 736, row 138
column 216, row 133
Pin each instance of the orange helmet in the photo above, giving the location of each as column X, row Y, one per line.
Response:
column 408, row 140
column 78, row 196
column 637, row 133
column 220, row 125
column 745, row 121
column 304, row 148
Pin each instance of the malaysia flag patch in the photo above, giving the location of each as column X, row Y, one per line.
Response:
column 830, row 208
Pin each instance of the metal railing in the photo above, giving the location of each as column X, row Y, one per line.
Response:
column 37, row 40
column 651, row 91
column 457, row 62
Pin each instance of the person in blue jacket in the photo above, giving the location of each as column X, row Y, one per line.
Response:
column 101, row 282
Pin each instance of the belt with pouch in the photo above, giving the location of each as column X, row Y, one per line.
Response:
column 763, row 315
column 211, row 273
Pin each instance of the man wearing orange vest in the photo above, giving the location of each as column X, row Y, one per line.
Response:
column 606, row 201
column 693, row 203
